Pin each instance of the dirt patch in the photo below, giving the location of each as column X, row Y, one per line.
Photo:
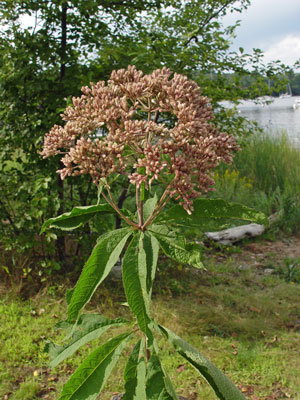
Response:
column 269, row 250
column 264, row 253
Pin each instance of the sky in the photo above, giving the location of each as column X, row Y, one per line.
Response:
column 272, row 26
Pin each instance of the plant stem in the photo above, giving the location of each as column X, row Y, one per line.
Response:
column 120, row 204
column 139, row 207
column 115, row 207
column 160, row 205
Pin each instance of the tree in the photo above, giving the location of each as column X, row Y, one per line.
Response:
column 73, row 42
column 40, row 67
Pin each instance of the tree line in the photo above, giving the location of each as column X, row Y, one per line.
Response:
column 289, row 83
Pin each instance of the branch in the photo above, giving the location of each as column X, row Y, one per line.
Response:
column 139, row 206
column 121, row 200
column 208, row 18
column 115, row 207
column 11, row 221
column 63, row 41
column 160, row 205
column 35, row 23
column 129, row 4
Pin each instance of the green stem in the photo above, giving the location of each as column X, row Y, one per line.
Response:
column 160, row 205
column 139, row 207
column 116, row 208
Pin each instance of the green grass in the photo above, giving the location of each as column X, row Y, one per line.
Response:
column 243, row 321
column 271, row 161
column 265, row 175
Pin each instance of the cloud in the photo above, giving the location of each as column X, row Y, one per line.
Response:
column 287, row 50
column 270, row 25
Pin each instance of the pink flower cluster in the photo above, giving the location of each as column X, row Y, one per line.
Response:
column 155, row 127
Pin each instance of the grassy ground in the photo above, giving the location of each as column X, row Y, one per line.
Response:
column 264, row 175
column 244, row 320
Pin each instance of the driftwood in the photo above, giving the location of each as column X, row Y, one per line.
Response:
column 233, row 235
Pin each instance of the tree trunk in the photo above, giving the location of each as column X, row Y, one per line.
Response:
column 60, row 243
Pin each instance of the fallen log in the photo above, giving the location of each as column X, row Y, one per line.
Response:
column 238, row 233
column 233, row 235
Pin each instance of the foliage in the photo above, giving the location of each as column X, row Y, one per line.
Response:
column 271, row 160
column 289, row 270
column 146, row 150
column 138, row 275
column 66, row 45
column 41, row 66
column 241, row 345
column 294, row 80
column 265, row 175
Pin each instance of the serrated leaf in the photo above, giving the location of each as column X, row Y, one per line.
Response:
column 134, row 270
column 180, row 251
column 88, row 380
column 89, row 327
column 77, row 217
column 135, row 374
column 158, row 384
column 222, row 386
column 104, row 256
column 206, row 210
column 161, row 229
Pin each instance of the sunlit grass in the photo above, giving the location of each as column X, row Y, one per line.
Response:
column 265, row 175
column 243, row 321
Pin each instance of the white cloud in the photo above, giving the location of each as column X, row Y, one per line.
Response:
column 287, row 50
column 272, row 26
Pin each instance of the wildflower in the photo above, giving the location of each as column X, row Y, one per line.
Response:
column 155, row 127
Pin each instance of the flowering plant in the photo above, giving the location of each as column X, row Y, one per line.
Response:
column 154, row 129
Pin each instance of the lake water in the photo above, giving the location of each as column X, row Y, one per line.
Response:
column 276, row 116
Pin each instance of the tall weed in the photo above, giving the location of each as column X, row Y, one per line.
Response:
column 265, row 175
column 271, row 162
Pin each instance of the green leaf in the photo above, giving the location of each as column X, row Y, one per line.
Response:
column 206, row 210
column 77, row 217
column 222, row 386
column 104, row 256
column 158, row 385
column 135, row 374
column 151, row 247
column 134, row 271
column 69, row 294
column 182, row 252
column 101, row 185
column 88, row 380
column 89, row 327
column 149, row 207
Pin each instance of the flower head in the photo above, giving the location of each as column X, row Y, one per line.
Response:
column 155, row 127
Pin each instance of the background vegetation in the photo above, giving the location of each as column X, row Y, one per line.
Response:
column 243, row 320
column 66, row 45
column 265, row 175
